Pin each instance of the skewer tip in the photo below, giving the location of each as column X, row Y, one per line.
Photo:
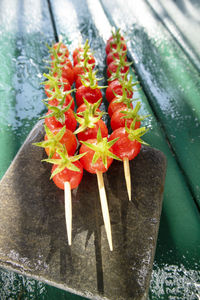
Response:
column 127, row 176
column 104, row 208
column 68, row 211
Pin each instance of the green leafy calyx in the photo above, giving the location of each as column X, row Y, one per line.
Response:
column 102, row 149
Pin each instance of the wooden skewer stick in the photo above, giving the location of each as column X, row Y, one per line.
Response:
column 127, row 176
column 104, row 207
column 68, row 211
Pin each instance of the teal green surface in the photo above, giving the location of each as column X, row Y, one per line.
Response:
column 169, row 79
column 176, row 268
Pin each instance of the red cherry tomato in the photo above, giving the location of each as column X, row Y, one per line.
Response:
column 62, row 50
column 117, row 120
column 110, row 45
column 91, row 95
column 68, row 73
column 112, row 68
column 68, row 99
column 91, row 133
column 77, row 51
column 70, row 121
column 115, row 87
column 78, row 82
column 78, row 59
column 73, row 177
column 83, row 107
column 86, row 160
column 78, row 70
column 64, row 82
column 123, row 146
column 68, row 140
column 112, row 56
column 113, row 106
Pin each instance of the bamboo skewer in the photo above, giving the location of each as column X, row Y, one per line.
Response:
column 68, row 211
column 127, row 176
column 104, row 207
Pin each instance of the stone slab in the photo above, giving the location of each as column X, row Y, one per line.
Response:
column 33, row 238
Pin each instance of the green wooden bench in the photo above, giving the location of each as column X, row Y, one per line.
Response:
column 168, row 70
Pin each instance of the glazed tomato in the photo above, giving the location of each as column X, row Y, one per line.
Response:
column 112, row 69
column 112, row 56
column 116, row 87
column 78, row 82
column 68, row 140
column 79, row 58
column 73, row 177
column 62, row 49
column 91, row 133
column 70, row 121
column 124, row 147
column 112, row 44
column 113, row 106
column 86, row 160
column 77, row 51
column 68, row 73
column 64, row 82
column 83, row 107
column 68, row 99
column 117, row 120
column 78, row 70
column 91, row 95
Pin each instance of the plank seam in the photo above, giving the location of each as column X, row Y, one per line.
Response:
column 53, row 21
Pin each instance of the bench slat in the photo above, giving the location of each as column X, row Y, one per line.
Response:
column 169, row 79
column 26, row 27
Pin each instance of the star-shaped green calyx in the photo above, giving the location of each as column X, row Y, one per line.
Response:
column 135, row 134
column 53, row 140
column 101, row 149
column 128, row 84
column 89, row 79
column 116, row 36
column 57, row 111
column 57, row 50
column 123, row 98
column 133, row 113
column 57, row 59
column 65, row 161
column 89, row 116
column 120, row 63
column 85, row 55
column 56, row 89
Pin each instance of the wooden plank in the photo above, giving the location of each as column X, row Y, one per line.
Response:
column 87, row 267
column 169, row 79
column 181, row 18
column 25, row 28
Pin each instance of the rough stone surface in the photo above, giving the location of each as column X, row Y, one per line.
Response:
column 33, row 238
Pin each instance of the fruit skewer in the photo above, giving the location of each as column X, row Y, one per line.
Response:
column 60, row 143
column 97, row 160
column 92, row 134
column 119, row 94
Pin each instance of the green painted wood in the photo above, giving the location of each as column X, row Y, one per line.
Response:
column 23, row 34
column 169, row 79
column 177, row 240
column 174, row 257
column 172, row 247
column 25, row 28
column 182, row 19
